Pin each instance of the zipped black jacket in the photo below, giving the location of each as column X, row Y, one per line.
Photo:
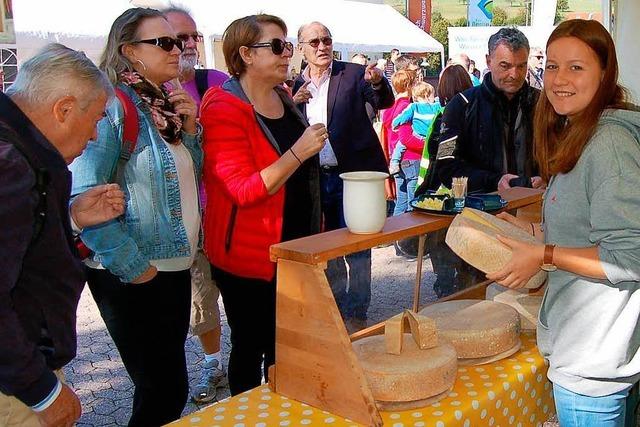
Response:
column 494, row 137
column 42, row 277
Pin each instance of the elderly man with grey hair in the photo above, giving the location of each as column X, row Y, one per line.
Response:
column 464, row 60
column 205, row 314
column 46, row 119
column 536, row 62
column 336, row 93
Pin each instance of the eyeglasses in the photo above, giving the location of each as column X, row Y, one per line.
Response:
column 165, row 43
column 185, row 37
column 277, row 46
column 327, row 41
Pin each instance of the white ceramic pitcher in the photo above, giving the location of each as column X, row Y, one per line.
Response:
column 364, row 201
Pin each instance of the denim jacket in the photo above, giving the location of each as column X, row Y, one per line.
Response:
column 151, row 227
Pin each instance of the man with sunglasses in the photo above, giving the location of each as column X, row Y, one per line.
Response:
column 335, row 93
column 205, row 315
column 535, row 70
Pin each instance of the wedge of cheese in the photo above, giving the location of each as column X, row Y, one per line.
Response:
column 472, row 236
column 476, row 328
column 527, row 306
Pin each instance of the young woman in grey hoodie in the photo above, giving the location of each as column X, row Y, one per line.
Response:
column 587, row 146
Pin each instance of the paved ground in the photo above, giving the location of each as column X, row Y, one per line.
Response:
column 98, row 376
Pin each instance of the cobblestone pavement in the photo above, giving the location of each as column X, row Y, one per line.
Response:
column 104, row 388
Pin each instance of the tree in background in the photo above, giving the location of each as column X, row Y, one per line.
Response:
column 500, row 17
column 563, row 6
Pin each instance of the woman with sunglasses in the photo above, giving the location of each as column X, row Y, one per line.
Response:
column 139, row 272
column 262, row 183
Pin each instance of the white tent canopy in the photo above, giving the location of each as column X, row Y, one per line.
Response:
column 355, row 26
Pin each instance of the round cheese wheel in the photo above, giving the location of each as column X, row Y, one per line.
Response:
column 472, row 236
column 412, row 375
column 527, row 306
column 476, row 328
column 494, row 289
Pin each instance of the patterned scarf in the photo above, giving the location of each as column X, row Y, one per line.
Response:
column 168, row 123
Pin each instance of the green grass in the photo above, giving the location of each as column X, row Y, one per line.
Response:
column 454, row 9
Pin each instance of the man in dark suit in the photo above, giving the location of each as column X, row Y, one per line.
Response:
column 335, row 93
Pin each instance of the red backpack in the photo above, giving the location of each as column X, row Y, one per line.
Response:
column 129, row 140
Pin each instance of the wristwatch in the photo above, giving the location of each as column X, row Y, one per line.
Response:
column 547, row 260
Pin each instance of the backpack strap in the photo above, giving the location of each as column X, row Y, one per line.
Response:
column 41, row 173
column 202, row 82
column 129, row 133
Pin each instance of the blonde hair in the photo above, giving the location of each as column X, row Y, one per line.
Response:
column 124, row 30
column 423, row 90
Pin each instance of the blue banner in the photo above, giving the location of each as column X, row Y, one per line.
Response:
column 480, row 13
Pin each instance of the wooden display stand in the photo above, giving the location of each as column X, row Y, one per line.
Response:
column 315, row 362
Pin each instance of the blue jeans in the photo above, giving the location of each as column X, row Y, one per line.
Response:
column 351, row 289
column 406, row 182
column 576, row 410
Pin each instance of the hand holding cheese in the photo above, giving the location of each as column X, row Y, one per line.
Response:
column 525, row 262
column 476, row 237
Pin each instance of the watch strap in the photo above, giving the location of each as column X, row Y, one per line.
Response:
column 548, row 254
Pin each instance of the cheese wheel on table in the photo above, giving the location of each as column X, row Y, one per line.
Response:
column 527, row 306
column 413, row 375
column 472, row 236
column 476, row 328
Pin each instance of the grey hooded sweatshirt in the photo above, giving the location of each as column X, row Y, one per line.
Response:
column 589, row 329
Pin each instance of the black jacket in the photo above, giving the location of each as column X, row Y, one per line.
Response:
column 495, row 136
column 352, row 137
column 41, row 280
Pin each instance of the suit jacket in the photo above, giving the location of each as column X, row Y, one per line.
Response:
column 351, row 134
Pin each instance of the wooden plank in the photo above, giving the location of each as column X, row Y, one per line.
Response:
column 332, row 244
column 327, row 375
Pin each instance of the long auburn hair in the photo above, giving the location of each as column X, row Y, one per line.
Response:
column 559, row 143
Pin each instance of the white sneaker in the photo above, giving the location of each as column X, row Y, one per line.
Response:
column 213, row 377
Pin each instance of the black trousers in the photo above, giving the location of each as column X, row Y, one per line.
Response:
column 149, row 323
column 250, row 305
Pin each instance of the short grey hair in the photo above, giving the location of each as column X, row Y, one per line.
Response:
column 511, row 37
column 57, row 71
column 176, row 8
column 304, row 27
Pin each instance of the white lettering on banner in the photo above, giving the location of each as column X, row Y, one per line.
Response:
column 474, row 40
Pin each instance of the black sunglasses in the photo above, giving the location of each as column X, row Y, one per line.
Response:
column 165, row 43
column 327, row 41
column 277, row 46
column 185, row 37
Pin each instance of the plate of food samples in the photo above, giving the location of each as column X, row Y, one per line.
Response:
column 441, row 202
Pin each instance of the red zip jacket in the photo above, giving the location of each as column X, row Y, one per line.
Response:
column 241, row 219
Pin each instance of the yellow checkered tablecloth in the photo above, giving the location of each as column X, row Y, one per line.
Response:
column 511, row 392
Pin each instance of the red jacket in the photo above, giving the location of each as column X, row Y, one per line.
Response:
column 404, row 132
column 241, row 219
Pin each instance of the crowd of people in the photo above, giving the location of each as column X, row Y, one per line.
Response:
column 191, row 175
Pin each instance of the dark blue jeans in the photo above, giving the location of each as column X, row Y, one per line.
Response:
column 352, row 288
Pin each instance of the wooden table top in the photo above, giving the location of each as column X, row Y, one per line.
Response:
column 322, row 247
